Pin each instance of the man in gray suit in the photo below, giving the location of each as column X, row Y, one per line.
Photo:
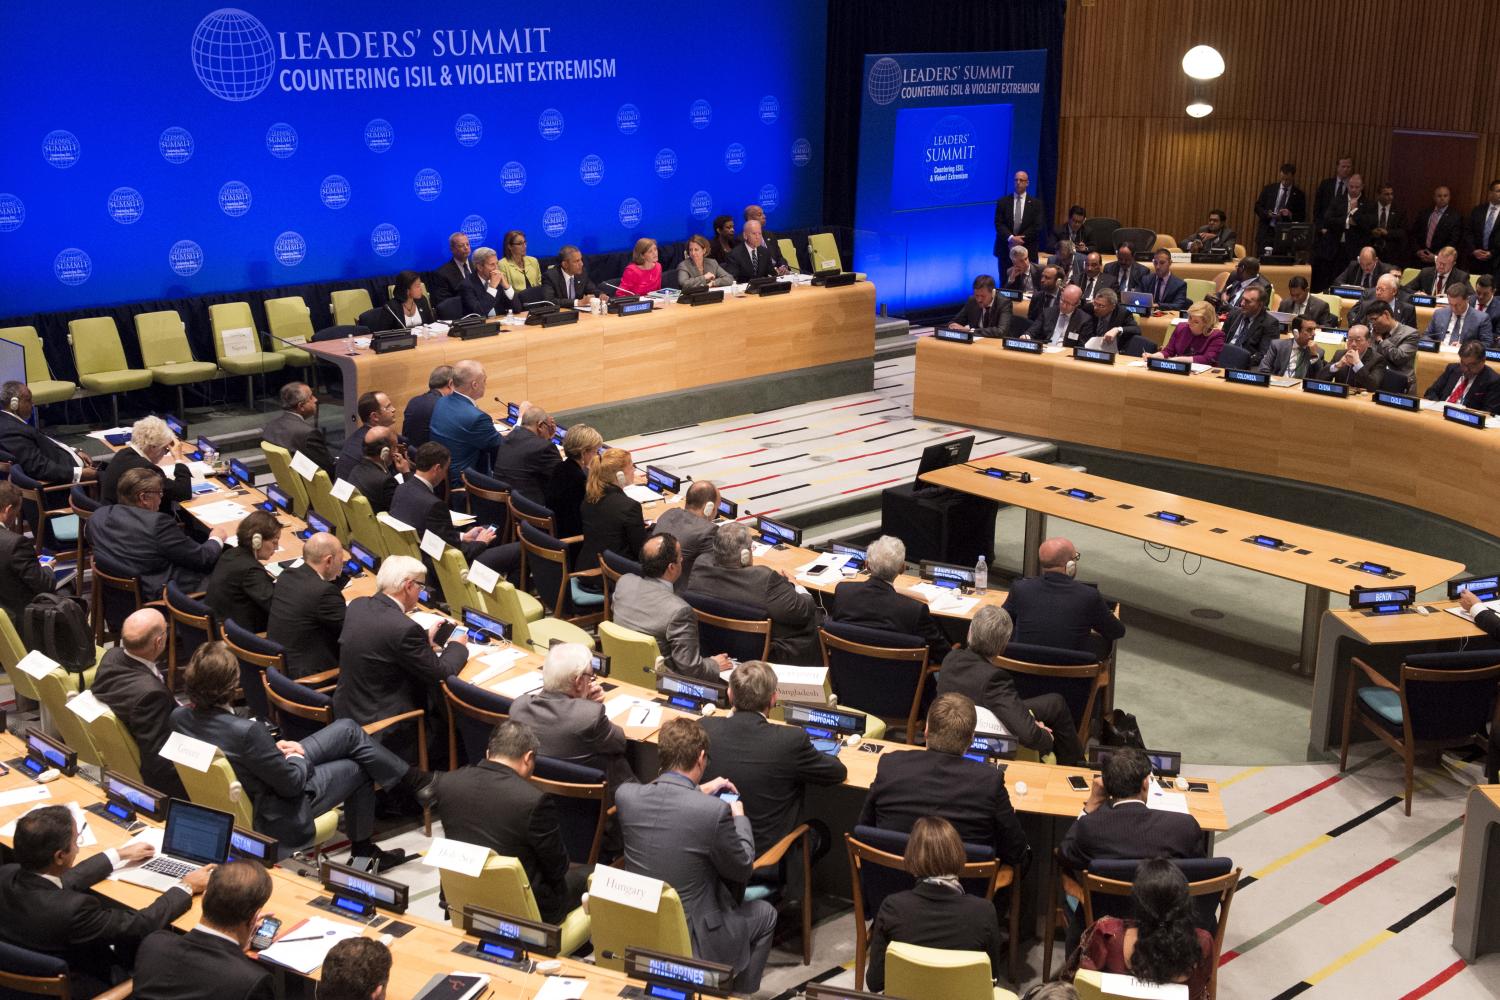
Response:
column 648, row 603
column 1296, row 356
column 678, row 831
column 731, row 576
column 1394, row 342
column 567, row 714
column 693, row 524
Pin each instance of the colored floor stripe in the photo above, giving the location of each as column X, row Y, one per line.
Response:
column 1423, row 910
column 1304, row 794
column 1287, row 859
column 1240, row 776
column 1364, row 948
column 861, row 427
column 1357, row 881
column 1368, row 814
column 872, row 486
column 1436, row 981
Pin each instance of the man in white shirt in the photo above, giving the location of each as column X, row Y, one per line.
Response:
column 1457, row 322
column 1055, row 325
column 486, row 291
column 42, row 458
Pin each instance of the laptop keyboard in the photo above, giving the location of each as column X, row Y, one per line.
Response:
column 169, row 867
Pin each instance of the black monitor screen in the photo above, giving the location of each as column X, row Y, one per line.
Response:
column 944, row 454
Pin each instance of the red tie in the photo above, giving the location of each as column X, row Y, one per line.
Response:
column 1457, row 395
column 1432, row 227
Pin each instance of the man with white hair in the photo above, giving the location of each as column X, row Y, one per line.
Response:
column 1387, row 290
column 462, row 426
column 1021, row 275
column 527, row 457
column 876, row 603
column 731, row 575
column 487, row 292
column 388, row 663
column 150, row 447
column 752, row 258
column 567, row 714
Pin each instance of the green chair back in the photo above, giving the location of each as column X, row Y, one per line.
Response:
column 218, row 788
column 1335, row 304
column 452, row 576
column 399, row 541
column 163, row 339
column 824, row 252
column 914, row 972
column 237, row 316
column 280, row 461
column 116, row 746
column 324, row 503
column 53, row 690
column 362, row 524
column 1198, row 289
column 291, row 328
column 1409, row 275
column 632, row 655
column 504, row 888
column 44, row 388
column 614, row 926
column 347, row 303
column 96, row 345
column 12, row 651
column 789, row 253
column 508, row 604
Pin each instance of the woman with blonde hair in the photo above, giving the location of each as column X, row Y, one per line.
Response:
column 150, row 445
column 643, row 273
column 1196, row 340
column 565, row 490
column 611, row 520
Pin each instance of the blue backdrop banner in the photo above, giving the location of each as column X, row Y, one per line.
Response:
column 204, row 148
column 941, row 135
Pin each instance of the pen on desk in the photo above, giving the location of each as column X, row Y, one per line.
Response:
column 309, row 937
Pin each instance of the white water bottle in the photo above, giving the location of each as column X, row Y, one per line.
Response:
column 981, row 576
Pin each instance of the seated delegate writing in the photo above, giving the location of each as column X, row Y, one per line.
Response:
column 526, row 458
column 1116, row 822
column 307, row 608
column 649, row 603
column 731, row 575
column 137, row 538
column 986, row 313
column 296, row 428
column 461, row 425
column 1297, row 356
column 569, row 481
column 408, row 306
column 568, row 715
column 130, row 682
column 1158, row 943
column 1468, row 382
column 876, row 603
column 1195, row 340
column 693, row 525
column 239, row 588
column 1057, row 609
column 416, row 421
column 699, row 270
column 150, row 447
column 643, row 274
column 209, row 961
column 21, row 576
column 936, row 912
column 1107, row 323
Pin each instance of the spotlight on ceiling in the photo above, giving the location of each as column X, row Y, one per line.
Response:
column 1203, row 62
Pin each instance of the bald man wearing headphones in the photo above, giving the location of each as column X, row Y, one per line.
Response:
column 1056, row 609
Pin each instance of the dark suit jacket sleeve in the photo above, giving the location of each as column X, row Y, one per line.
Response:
column 1001, row 698
column 938, row 644
column 1010, row 839
column 867, row 811
column 316, row 448
column 283, row 775
column 817, row 768
column 180, row 485
column 544, row 834
column 785, row 605
column 47, row 466
column 733, row 849
column 24, row 567
column 1105, row 623
column 880, row 939
column 180, row 550
column 441, row 524
column 1072, row 850
column 604, row 736
column 417, row 656
column 96, row 920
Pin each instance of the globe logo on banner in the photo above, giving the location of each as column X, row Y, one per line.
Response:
column 700, row 114
column 701, row 204
column 281, row 140
column 60, row 149
column 630, row 213
column 628, row 119
column 666, row 163
column 474, row 227
column 770, row 109
column 232, row 54
column 175, row 145
column 234, row 199
column 379, row 135
column 125, row 205
column 885, row 81
column 72, row 266
column 12, row 213
column 555, row 221
column 185, row 258
column 769, row 198
column 334, row 191
column 385, row 239
column 289, row 249
column 801, row 152
column 734, row 157
column 550, row 124
column 512, row 177
column 468, row 130
column 428, row 184
column 591, row 169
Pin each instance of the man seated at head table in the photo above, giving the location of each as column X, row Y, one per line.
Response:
column 567, row 282
column 698, row 270
column 487, row 291
column 239, row 588
column 1042, row 723
column 1093, row 277
column 940, row 781
column 1363, row 271
column 1063, row 324
column 1196, row 340
column 756, row 214
column 731, row 575
column 986, row 313
column 461, row 425
column 1128, row 275
column 130, row 682
column 1299, row 302
column 876, row 603
column 150, row 447
column 21, row 576
column 46, row 905
column 417, row 420
column 40, row 457
column 527, row 458
column 416, row 503
column 1470, row 381
column 493, row 804
column 1388, row 291
column 1458, row 322
column 1296, row 356
column 135, row 537
column 1250, row 326
column 448, row 280
column 1110, row 322
column 1167, row 290
column 375, row 474
column 677, row 829
column 693, row 525
column 1434, row 279
column 1357, row 364
column 375, row 409
column 1022, row 275
column 1057, row 609
column 307, row 608
column 209, row 961
column 1214, row 234
column 648, row 603
column 357, row 968
column 568, row 716
column 752, row 257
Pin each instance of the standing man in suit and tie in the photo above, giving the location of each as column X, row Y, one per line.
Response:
column 461, row 426
column 751, row 258
column 209, row 961
column 1127, row 275
column 1018, row 221
column 46, row 905
column 1282, row 202
column 1364, row 270
column 1300, row 302
column 1298, row 356
column 677, row 830
column 129, row 681
column 416, row 422
column 21, row 576
column 1063, row 324
column 527, row 458
column 307, row 608
column 1167, row 290
column 567, row 282
column 1343, row 230
column 1388, row 234
column 1436, row 228
column 296, row 428
column 1469, row 382
column 1331, row 189
column 649, row 603
column 567, row 715
column 1458, row 323
column 487, row 291
column 876, row 603
column 1071, row 231
column 1482, row 236
column 985, row 313
column 40, row 457
column 448, row 280
column 1250, row 326
column 693, row 525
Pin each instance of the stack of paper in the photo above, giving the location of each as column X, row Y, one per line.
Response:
column 304, row 947
column 633, row 713
column 517, row 686
column 642, row 494
column 220, row 512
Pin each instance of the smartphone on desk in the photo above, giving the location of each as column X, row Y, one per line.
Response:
column 1078, row 783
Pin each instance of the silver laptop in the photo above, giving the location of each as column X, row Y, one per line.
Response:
column 195, row 836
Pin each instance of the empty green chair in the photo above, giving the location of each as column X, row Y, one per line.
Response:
column 615, row 925
column 165, row 351
column 789, row 253
column 400, row 538
column 116, row 746
column 1199, row 289
column 504, row 888
column 238, row 354
column 44, row 388
column 824, row 252
column 99, row 358
column 291, row 326
column 293, row 485
column 362, row 524
column 632, row 655
column 53, row 691
column 914, row 972
column 320, row 493
column 347, row 303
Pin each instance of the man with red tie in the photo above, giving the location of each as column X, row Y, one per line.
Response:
column 1458, row 322
column 1470, row 382
column 1434, row 280
column 1436, row 228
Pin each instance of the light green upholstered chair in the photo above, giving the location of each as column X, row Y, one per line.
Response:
column 291, row 326
column 504, row 888
column 99, row 358
column 914, row 972
column 347, row 303
column 632, row 655
column 44, row 388
column 248, row 360
column 615, row 925
column 165, row 351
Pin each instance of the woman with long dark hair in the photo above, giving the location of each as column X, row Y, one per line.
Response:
column 1160, row 943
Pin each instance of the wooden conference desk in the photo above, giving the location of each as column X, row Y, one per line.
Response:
column 604, row 359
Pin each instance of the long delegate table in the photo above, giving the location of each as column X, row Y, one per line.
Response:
column 604, row 359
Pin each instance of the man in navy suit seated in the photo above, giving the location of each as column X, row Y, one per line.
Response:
column 1470, row 382
column 1167, row 290
column 416, row 424
column 1055, row 609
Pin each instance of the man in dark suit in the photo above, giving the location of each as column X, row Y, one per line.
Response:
column 729, row 575
column 45, row 904
column 417, row 420
column 1127, row 275
column 296, row 428
column 1117, row 824
column 307, row 608
column 417, row 504
column 875, row 603
column 1214, row 234
column 649, row 604
column 1364, row 270
column 375, row 474
column 940, row 781
column 40, row 457
column 693, row 525
column 567, row 715
column 1022, row 275
column 130, row 683
column 1071, row 231
column 1435, row 279
column 492, row 804
column 1246, row 275
column 1018, row 221
column 137, row 538
column 151, row 440
column 1388, row 235
column 676, row 829
column 1042, row 723
column 1482, row 235
column 751, row 258
column 375, row 409
column 1064, row 323
column 21, row 576
column 1395, row 343
column 1296, row 356
column 1436, row 228
column 1331, row 189
column 292, row 782
column 486, row 291
column 1469, row 382
column 1045, row 296
column 1387, row 291
column 1167, row 290
column 567, row 281
column 1343, row 230
column 1055, row 609
column 1485, row 300
column 770, row 765
column 754, row 213
column 1109, row 321
column 1250, row 326
column 1458, row 322
column 1282, row 202
column 387, row 663
column 448, row 279
column 1299, row 302
column 1069, row 261
column 986, row 313
column 1093, row 277
column 209, row 961
column 527, row 458
column 1357, row 364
